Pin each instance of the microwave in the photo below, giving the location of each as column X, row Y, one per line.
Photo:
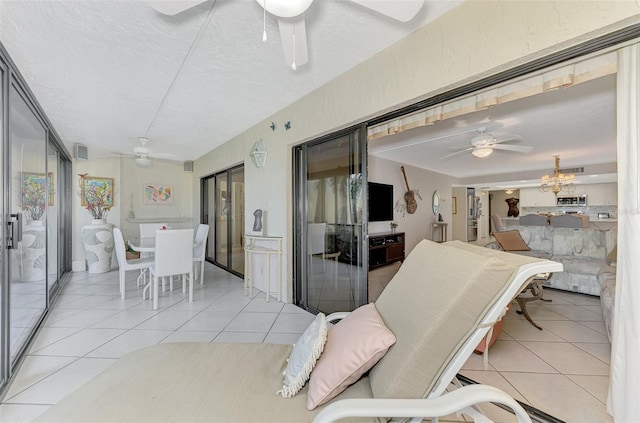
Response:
column 578, row 200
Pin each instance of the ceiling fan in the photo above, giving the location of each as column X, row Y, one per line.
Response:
column 144, row 154
column 483, row 144
column 291, row 21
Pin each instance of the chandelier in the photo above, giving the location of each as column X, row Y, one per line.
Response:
column 559, row 181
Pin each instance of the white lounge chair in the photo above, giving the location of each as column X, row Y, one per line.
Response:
column 440, row 304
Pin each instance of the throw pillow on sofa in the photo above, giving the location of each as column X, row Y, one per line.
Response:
column 511, row 241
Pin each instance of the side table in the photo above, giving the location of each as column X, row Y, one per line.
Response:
column 269, row 246
column 439, row 227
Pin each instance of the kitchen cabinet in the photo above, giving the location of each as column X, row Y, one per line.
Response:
column 533, row 197
column 602, row 194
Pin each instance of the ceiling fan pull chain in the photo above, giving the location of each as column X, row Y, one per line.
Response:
column 293, row 65
column 264, row 21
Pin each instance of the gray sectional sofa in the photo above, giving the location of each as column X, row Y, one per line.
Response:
column 582, row 251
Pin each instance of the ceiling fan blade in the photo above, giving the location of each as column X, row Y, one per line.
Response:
column 294, row 41
column 400, row 10
column 161, row 155
column 508, row 147
column 455, row 153
column 505, row 138
column 172, row 7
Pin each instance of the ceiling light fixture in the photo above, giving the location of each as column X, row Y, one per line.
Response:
column 508, row 191
column 143, row 162
column 482, row 152
column 559, row 181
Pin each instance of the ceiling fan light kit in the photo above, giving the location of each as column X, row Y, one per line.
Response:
column 482, row 152
column 143, row 162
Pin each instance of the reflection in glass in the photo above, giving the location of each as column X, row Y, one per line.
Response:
column 28, row 262
column 221, row 202
column 236, row 217
column 333, row 279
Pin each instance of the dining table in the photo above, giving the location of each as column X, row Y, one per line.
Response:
column 147, row 245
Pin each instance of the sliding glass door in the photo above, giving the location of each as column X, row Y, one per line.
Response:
column 223, row 211
column 330, row 259
column 35, row 240
column 28, row 202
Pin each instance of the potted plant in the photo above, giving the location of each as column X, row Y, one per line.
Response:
column 393, row 226
column 131, row 253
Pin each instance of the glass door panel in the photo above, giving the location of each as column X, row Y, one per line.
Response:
column 236, row 223
column 53, row 201
column 4, row 373
column 330, row 274
column 223, row 210
column 222, row 214
column 27, row 201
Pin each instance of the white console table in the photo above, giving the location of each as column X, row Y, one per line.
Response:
column 269, row 246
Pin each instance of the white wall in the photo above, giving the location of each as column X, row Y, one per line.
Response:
column 129, row 179
column 463, row 45
column 416, row 226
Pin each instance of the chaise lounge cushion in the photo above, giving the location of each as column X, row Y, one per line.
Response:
column 448, row 311
column 193, row 382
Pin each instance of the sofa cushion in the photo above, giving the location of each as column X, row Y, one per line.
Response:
column 354, row 345
column 304, row 356
column 511, row 241
column 220, row 381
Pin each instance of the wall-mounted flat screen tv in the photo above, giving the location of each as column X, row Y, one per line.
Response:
column 380, row 202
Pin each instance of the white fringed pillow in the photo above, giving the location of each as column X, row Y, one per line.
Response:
column 303, row 357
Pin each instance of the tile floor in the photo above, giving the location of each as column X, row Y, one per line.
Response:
column 562, row 370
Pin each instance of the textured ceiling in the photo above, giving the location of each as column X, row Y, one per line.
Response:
column 105, row 71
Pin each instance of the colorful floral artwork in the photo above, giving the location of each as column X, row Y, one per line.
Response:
column 33, row 195
column 158, row 194
column 96, row 195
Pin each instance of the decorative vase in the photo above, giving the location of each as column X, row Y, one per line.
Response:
column 33, row 257
column 97, row 239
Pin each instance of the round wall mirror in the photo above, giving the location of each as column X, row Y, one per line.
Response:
column 435, row 203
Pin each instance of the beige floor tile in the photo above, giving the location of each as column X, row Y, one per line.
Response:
column 597, row 326
column 559, row 396
column 600, row 351
column 512, row 356
column 474, row 362
column 575, row 332
column 598, row 386
column 522, row 330
column 567, row 358
column 575, row 312
column 495, row 379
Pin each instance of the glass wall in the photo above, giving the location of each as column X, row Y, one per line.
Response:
column 330, row 258
column 34, row 243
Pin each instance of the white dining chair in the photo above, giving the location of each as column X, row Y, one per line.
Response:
column 199, row 249
column 148, row 230
column 173, row 256
column 124, row 264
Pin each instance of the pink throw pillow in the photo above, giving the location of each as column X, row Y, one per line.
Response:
column 354, row 345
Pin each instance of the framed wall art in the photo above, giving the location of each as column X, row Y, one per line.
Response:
column 33, row 185
column 157, row 194
column 96, row 191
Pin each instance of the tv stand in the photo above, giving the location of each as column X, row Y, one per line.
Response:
column 385, row 248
